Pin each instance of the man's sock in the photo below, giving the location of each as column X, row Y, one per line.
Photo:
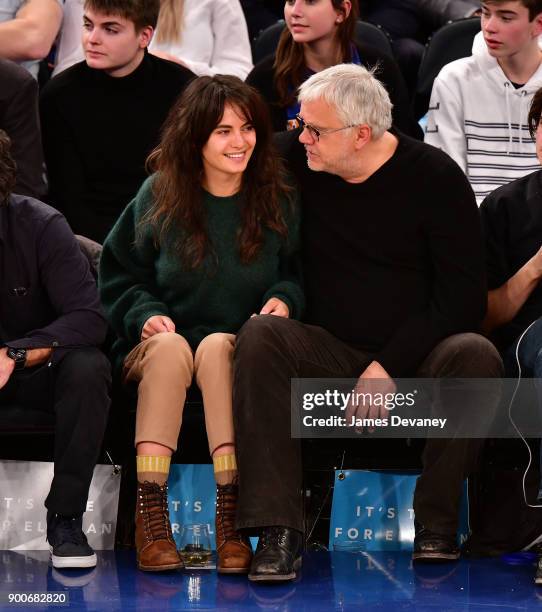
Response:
column 153, row 469
column 225, row 467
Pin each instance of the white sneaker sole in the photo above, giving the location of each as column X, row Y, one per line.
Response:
column 74, row 562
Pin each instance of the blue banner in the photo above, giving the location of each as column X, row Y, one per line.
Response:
column 372, row 508
column 373, row 511
column 192, row 497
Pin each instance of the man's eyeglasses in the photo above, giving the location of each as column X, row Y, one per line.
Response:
column 317, row 132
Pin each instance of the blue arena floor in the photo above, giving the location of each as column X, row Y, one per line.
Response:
column 329, row 581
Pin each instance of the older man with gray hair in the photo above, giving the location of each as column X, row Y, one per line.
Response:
column 394, row 277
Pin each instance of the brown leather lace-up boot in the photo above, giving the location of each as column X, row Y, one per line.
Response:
column 233, row 549
column 156, row 549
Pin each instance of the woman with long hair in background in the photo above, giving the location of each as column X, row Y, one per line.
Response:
column 319, row 34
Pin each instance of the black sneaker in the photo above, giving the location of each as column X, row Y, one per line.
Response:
column 67, row 542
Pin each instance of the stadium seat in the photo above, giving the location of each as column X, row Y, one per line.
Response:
column 368, row 33
column 453, row 41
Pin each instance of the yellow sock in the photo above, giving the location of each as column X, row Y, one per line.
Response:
column 153, row 469
column 225, row 468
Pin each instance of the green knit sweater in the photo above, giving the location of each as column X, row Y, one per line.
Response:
column 138, row 281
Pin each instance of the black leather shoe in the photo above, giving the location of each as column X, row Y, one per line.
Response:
column 431, row 547
column 277, row 556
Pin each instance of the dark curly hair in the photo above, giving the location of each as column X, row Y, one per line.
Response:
column 8, row 168
column 178, row 163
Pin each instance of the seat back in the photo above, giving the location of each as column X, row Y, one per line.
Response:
column 453, row 41
column 366, row 33
column 92, row 251
column 267, row 41
column 374, row 36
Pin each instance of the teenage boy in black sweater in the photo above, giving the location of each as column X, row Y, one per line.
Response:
column 394, row 280
column 102, row 117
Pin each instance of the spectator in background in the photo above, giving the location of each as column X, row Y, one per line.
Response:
column 102, row 117
column 478, row 108
column 207, row 36
column 316, row 36
column 19, row 118
column 51, row 324
column 69, row 49
column 28, row 29
column 512, row 224
column 410, row 23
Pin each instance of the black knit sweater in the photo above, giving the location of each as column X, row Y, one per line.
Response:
column 97, row 132
column 394, row 264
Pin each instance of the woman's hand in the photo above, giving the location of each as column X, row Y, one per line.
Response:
column 157, row 325
column 276, row 307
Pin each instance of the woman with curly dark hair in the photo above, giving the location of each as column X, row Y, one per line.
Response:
column 209, row 241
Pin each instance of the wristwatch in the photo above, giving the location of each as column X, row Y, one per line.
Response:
column 19, row 357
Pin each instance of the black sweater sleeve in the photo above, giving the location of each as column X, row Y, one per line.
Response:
column 459, row 294
column 68, row 183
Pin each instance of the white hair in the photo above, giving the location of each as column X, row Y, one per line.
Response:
column 355, row 94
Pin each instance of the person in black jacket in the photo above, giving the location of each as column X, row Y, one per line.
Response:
column 51, row 324
column 512, row 226
column 316, row 36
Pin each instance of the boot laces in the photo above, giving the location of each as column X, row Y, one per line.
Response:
column 153, row 504
column 226, row 504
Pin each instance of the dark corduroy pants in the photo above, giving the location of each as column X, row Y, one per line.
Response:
column 269, row 352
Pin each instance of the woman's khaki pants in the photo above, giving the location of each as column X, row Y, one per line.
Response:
column 164, row 366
